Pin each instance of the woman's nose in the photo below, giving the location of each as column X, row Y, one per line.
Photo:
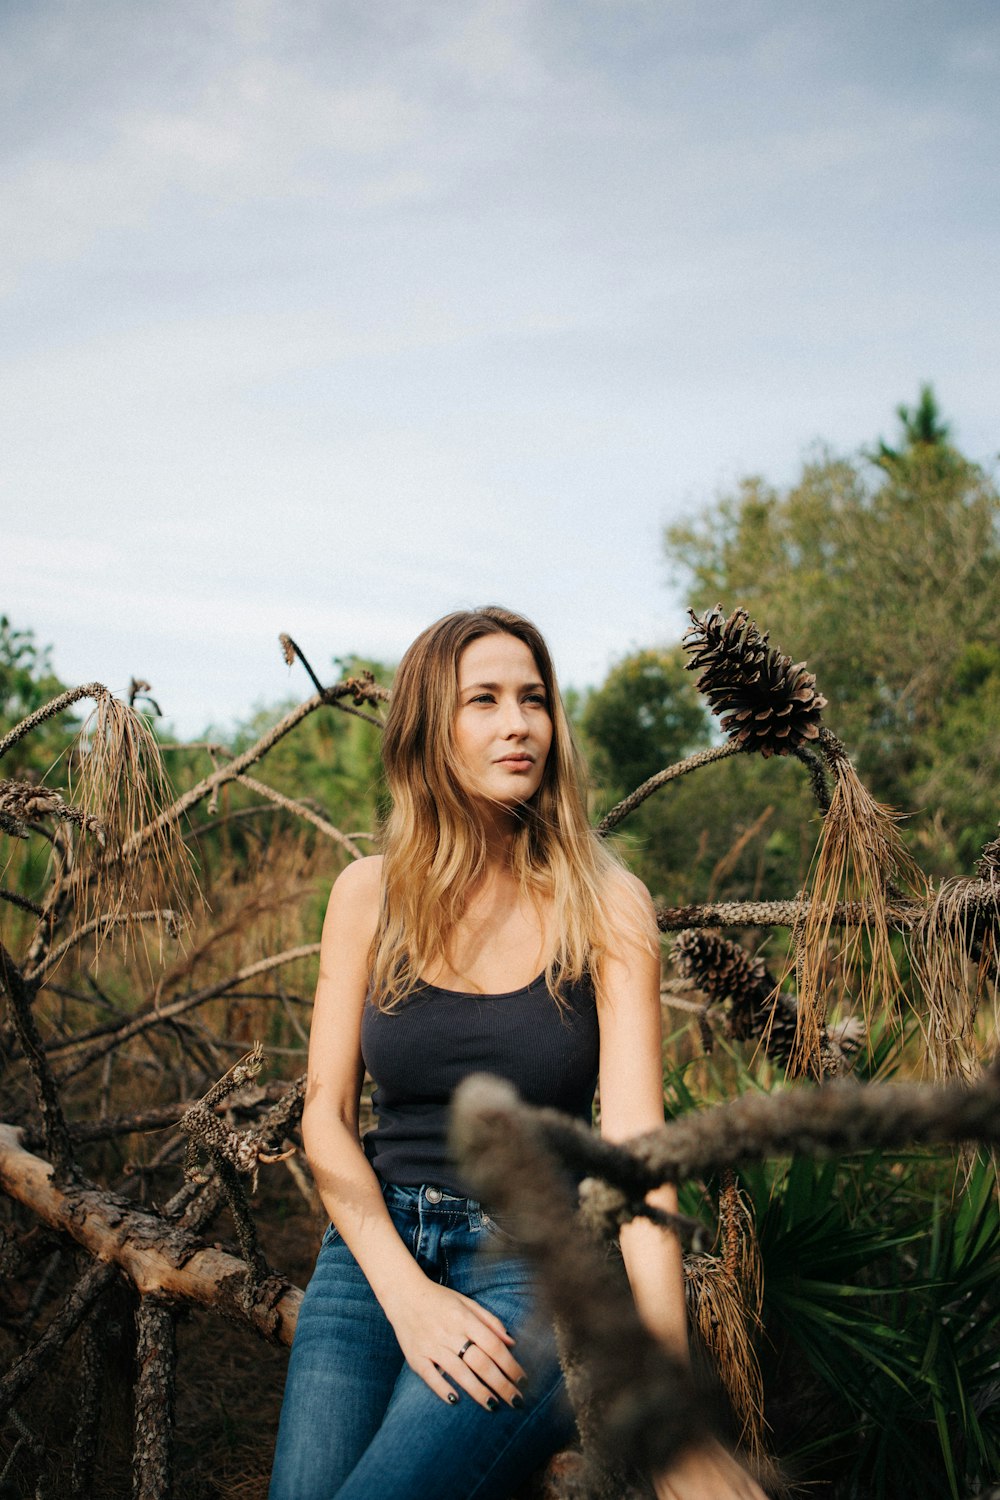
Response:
column 515, row 720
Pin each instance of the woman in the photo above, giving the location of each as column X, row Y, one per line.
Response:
column 495, row 933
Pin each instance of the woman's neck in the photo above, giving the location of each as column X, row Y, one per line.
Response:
column 499, row 829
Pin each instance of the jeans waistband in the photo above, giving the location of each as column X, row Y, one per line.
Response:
column 428, row 1197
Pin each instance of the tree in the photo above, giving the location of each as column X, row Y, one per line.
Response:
column 881, row 572
column 924, row 430
column 645, row 714
column 27, row 681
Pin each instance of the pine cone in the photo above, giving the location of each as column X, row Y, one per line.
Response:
column 729, row 978
column 988, row 864
column 982, row 934
column 753, row 1007
column 766, row 701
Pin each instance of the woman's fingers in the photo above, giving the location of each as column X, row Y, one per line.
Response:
column 490, row 1319
column 434, row 1330
column 466, row 1378
column 492, row 1375
column 433, row 1377
column 486, row 1371
column 489, row 1346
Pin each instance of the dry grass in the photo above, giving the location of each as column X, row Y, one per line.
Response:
column 859, row 858
column 122, row 785
column 725, row 1296
column 952, row 983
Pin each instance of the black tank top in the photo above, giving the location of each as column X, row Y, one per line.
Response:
column 418, row 1054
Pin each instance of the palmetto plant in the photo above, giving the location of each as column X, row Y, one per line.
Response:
column 882, row 1310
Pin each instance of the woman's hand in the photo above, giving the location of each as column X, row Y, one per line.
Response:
column 707, row 1472
column 432, row 1326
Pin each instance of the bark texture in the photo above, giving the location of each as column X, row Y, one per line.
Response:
column 157, row 1256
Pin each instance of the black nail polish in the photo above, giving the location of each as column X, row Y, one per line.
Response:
column 492, row 1404
column 517, row 1401
column 453, row 1399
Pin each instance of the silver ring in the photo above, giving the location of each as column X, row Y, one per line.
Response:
column 465, row 1346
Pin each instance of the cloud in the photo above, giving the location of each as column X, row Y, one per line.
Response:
column 331, row 318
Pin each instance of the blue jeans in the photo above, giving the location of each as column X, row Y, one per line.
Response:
column 357, row 1423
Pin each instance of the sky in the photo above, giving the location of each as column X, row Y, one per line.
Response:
column 332, row 317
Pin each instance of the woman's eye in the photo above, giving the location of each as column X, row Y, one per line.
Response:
column 538, row 698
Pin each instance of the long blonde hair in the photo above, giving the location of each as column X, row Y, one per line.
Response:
column 434, row 844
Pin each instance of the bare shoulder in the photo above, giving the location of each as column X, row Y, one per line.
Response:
column 354, row 898
column 627, row 897
column 361, row 880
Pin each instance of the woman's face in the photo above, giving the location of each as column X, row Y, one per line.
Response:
column 503, row 729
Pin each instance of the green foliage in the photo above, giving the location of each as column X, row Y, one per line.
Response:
column 959, row 768
column 644, row 716
column 924, row 432
column 882, row 1311
column 330, row 762
column 741, row 830
column 27, row 682
column 884, row 580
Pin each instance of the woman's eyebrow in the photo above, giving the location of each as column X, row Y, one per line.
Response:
column 495, row 687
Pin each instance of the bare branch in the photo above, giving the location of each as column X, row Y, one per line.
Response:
column 74, row 1309
column 117, row 1032
column 49, row 710
column 836, row 1119
column 156, row 1369
column 159, row 1256
column 236, row 767
column 981, row 897
column 20, row 994
column 634, row 799
column 88, row 1409
column 636, row 1402
column 22, row 902
column 100, row 925
column 301, row 811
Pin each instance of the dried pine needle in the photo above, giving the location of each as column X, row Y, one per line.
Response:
column 122, row 784
column 860, row 857
column 725, row 1295
column 951, row 981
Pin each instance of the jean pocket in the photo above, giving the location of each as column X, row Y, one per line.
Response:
column 497, row 1230
column 330, row 1236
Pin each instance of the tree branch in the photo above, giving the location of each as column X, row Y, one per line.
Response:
column 100, row 924
column 49, row 710
column 160, row 1257
column 636, row 1402
column 837, row 1119
column 22, row 902
column 156, row 1369
column 235, row 768
column 634, row 799
column 980, row 897
column 88, row 1408
column 72, row 1312
column 302, row 811
column 116, row 1032
column 57, row 1139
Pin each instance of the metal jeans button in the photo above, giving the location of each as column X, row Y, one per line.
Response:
column 434, row 1195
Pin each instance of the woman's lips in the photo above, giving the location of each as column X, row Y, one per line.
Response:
column 517, row 762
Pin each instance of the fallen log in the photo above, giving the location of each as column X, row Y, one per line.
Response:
column 159, row 1257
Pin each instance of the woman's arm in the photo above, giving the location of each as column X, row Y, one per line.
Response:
column 335, row 1072
column 631, row 1084
column 431, row 1322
